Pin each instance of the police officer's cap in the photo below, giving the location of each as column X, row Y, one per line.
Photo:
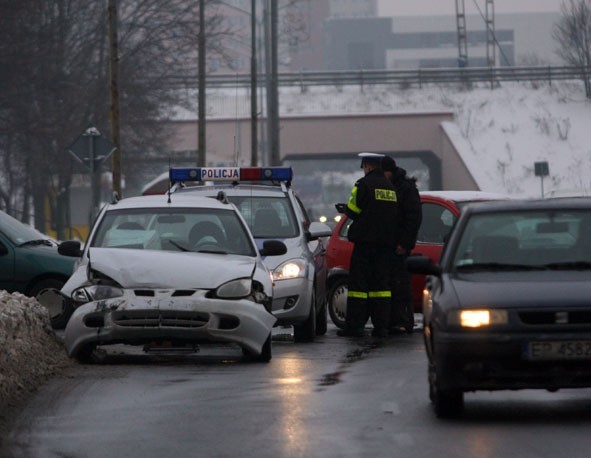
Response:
column 371, row 158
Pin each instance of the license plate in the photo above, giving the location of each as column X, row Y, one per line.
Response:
column 558, row 350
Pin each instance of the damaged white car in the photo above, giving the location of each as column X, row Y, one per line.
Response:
column 180, row 271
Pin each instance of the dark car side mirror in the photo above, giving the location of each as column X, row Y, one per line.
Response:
column 70, row 248
column 273, row 248
column 419, row 264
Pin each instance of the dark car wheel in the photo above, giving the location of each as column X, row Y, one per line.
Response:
column 337, row 302
column 306, row 331
column 448, row 403
column 47, row 292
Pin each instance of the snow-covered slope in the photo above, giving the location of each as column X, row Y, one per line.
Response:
column 500, row 133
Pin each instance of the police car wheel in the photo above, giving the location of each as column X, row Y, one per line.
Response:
column 321, row 319
column 306, row 331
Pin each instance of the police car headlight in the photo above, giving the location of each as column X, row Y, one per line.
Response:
column 235, row 289
column 96, row 293
column 477, row 318
column 294, row 268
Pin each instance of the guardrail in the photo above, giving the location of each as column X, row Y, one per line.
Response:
column 403, row 78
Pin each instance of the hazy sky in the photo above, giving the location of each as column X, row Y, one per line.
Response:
column 435, row 7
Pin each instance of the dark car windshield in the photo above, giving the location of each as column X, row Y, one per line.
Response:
column 175, row 229
column 552, row 240
column 17, row 232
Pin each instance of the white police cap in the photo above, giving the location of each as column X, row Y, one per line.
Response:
column 373, row 158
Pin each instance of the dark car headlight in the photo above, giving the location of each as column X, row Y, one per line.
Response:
column 477, row 318
column 96, row 293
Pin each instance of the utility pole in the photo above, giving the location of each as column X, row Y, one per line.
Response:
column 201, row 96
column 114, row 115
column 273, row 87
column 254, row 143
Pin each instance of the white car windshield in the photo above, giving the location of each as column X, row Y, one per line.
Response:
column 174, row 229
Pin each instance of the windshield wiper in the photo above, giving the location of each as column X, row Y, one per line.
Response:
column 498, row 266
column 46, row 242
column 570, row 265
column 211, row 251
column 177, row 245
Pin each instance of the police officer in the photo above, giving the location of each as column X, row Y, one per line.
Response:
column 372, row 207
column 409, row 217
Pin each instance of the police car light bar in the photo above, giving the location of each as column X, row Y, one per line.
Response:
column 181, row 174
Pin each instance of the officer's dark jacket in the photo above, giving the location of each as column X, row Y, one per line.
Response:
column 372, row 207
column 409, row 215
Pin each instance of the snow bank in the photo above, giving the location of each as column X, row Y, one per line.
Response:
column 30, row 351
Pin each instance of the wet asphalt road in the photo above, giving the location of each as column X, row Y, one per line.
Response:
column 333, row 398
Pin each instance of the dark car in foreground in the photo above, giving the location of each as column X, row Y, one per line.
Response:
column 31, row 265
column 509, row 304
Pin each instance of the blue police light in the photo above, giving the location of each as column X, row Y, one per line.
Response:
column 181, row 174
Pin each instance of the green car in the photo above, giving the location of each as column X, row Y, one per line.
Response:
column 31, row 265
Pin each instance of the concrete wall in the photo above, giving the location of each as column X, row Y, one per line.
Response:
column 228, row 141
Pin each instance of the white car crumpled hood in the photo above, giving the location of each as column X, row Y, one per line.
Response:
column 164, row 269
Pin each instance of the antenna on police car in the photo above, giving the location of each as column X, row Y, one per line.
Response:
column 169, row 182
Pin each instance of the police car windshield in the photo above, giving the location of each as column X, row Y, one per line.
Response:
column 267, row 217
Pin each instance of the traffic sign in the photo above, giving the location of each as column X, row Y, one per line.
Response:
column 91, row 148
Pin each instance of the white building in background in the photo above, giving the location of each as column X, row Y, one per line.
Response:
column 353, row 8
column 523, row 39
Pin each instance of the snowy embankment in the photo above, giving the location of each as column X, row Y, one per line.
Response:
column 30, row 351
column 499, row 132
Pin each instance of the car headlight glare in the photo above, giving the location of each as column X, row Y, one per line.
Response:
column 477, row 318
column 235, row 289
column 294, row 268
column 96, row 293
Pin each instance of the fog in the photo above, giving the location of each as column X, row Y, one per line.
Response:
column 436, row 7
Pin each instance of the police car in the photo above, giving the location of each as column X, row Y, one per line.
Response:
column 272, row 210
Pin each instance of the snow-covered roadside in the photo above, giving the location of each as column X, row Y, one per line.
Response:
column 30, row 351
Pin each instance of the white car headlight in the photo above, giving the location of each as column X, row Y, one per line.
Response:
column 235, row 289
column 477, row 318
column 294, row 268
column 96, row 293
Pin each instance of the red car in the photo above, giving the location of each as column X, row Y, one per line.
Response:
column 440, row 210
